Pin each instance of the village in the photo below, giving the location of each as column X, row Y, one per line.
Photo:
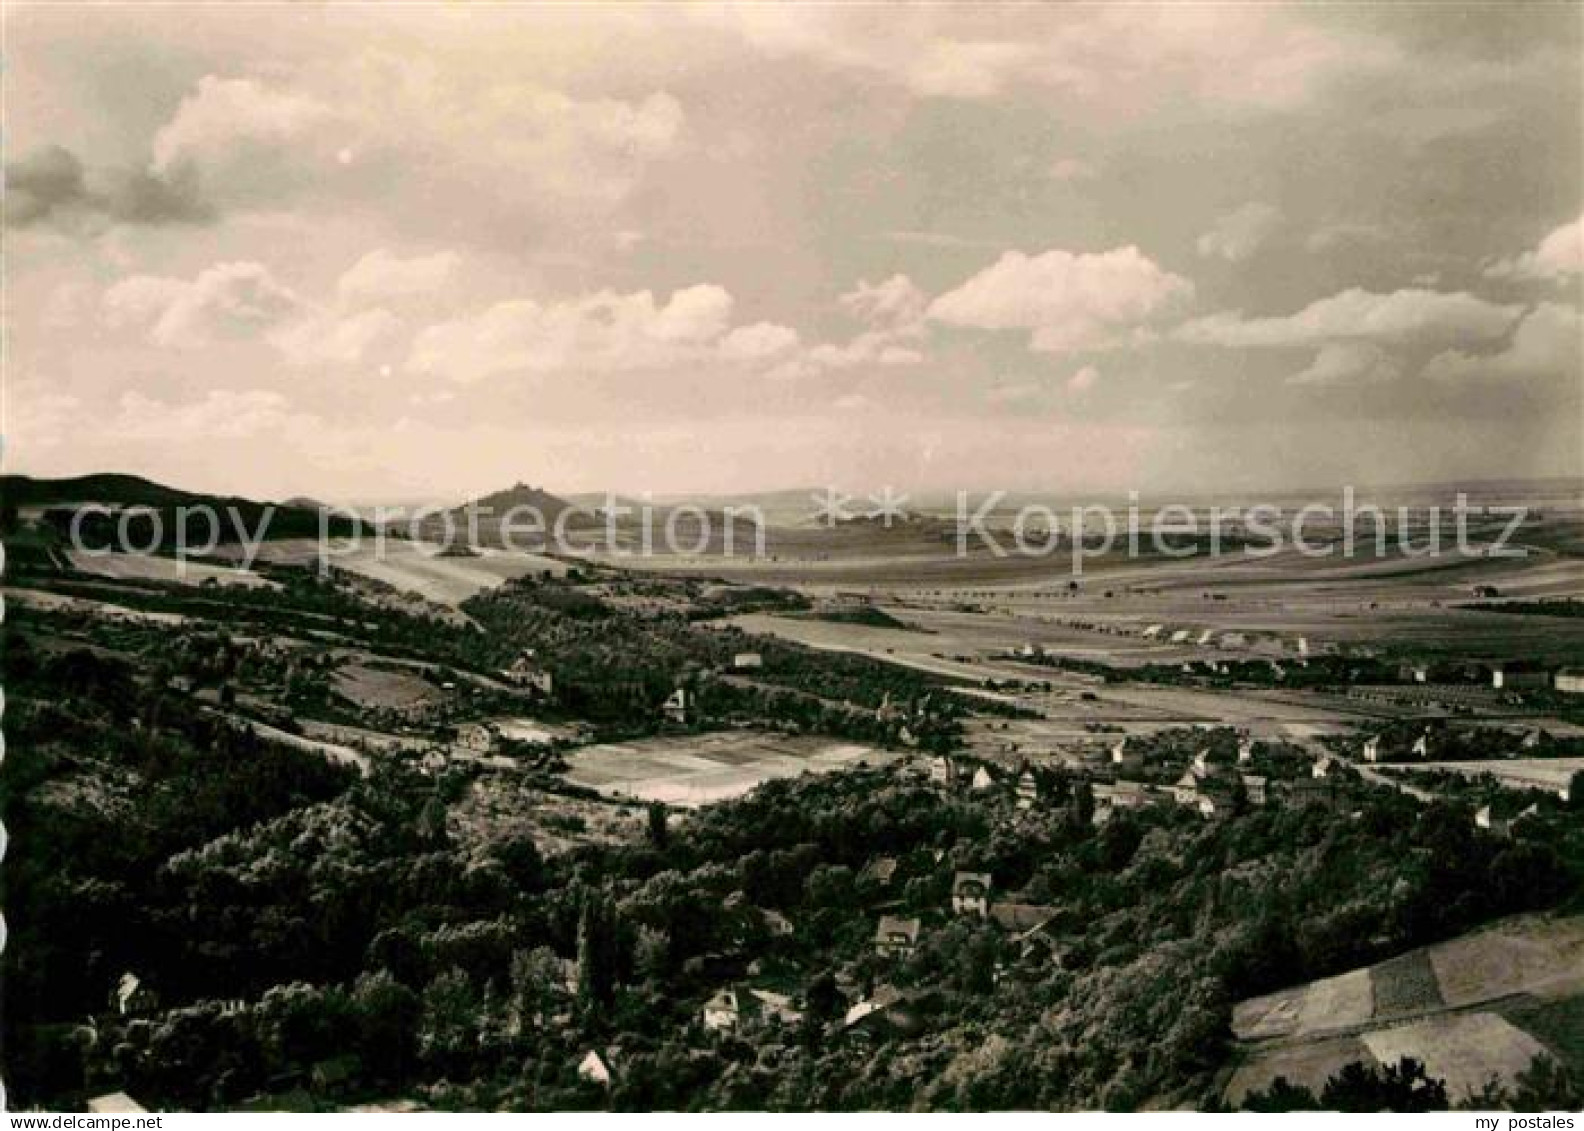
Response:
column 623, row 787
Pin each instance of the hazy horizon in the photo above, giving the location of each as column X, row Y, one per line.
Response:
column 363, row 253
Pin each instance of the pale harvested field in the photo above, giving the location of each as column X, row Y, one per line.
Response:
column 60, row 602
column 521, row 729
column 1464, row 1049
column 376, row 688
column 1455, row 1002
column 1307, row 1065
column 1130, row 706
column 1393, row 603
column 1544, row 957
column 147, row 567
column 417, row 567
column 1331, row 1003
column 694, row 770
column 1551, row 774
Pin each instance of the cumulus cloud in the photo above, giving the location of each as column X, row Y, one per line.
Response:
column 1240, row 233
column 1412, row 316
column 1072, row 169
column 1083, row 380
column 381, row 276
column 52, row 185
column 1545, row 345
column 1558, row 254
column 335, row 339
column 228, row 301
column 1068, row 301
column 39, row 418
column 245, row 302
column 895, row 303
column 892, row 312
column 382, row 120
column 220, row 414
column 239, row 133
column 604, row 332
column 1346, row 363
column 760, row 340
column 1114, row 60
column 1345, row 234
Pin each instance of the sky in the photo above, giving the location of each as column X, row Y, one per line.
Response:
column 357, row 252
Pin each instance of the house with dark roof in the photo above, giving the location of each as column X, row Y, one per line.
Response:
column 896, row 936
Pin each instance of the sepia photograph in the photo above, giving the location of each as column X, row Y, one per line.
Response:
column 798, row 557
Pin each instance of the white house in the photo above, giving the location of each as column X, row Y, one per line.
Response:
column 115, row 1103
column 971, row 893
column 594, row 1069
column 678, row 707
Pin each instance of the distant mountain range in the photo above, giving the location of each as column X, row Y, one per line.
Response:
column 297, row 518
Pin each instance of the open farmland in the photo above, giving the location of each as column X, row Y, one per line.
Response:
column 1463, row 1049
column 150, row 567
column 384, row 687
column 1467, row 1008
column 1550, row 774
column 693, row 770
column 418, row 567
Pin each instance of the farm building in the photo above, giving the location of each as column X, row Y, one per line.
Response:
column 477, row 736
column 882, row 870
column 1501, row 821
column 1126, row 753
column 895, row 936
column 594, row 1068
column 131, row 996
column 1570, row 681
column 526, row 671
column 734, row 1006
column 888, row 1011
column 1027, row 789
column 1518, row 675
column 747, row 661
column 115, row 1103
column 678, row 708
